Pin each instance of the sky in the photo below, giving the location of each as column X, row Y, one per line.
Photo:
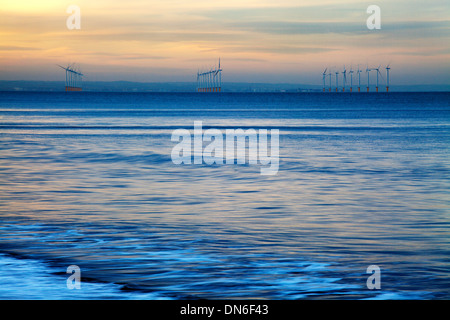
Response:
column 282, row 41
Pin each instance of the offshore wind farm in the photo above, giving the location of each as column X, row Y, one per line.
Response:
column 211, row 79
column 74, row 77
column 338, row 88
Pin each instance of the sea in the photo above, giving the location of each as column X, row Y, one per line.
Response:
column 87, row 179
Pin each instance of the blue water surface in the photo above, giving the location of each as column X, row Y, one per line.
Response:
column 87, row 179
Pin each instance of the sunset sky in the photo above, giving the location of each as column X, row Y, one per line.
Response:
column 257, row 41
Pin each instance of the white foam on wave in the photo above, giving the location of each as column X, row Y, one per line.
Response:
column 399, row 296
column 27, row 279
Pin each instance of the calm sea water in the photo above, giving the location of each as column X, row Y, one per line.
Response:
column 87, row 179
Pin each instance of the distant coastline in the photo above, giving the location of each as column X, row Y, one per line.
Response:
column 128, row 86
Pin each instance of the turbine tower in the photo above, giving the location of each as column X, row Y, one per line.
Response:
column 337, row 82
column 345, row 79
column 387, row 77
column 219, row 78
column 210, row 80
column 330, row 81
column 368, row 77
column 359, row 79
column 324, row 74
column 351, row 78
column 378, row 72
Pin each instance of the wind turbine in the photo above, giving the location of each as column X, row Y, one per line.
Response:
column 368, row 77
column 387, row 77
column 345, row 78
column 359, row 79
column 378, row 72
column 351, row 78
column 337, row 82
column 220, row 77
column 214, row 80
column 330, row 81
column 211, row 79
column 324, row 74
